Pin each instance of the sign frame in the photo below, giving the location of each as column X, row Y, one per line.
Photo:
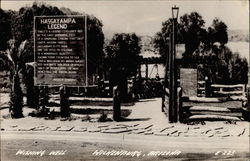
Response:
column 85, row 53
column 195, row 74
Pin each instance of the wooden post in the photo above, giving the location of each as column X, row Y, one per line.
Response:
column 139, row 71
column 175, row 114
column 116, row 104
column 173, row 77
column 179, row 105
column 207, row 87
column 170, row 108
column 64, row 102
column 163, row 99
column 248, row 97
column 37, row 96
column 246, row 110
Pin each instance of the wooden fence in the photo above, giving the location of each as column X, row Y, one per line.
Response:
column 229, row 90
column 191, row 109
column 222, row 89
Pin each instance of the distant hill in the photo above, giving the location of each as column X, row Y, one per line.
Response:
column 147, row 43
column 234, row 36
column 238, row 35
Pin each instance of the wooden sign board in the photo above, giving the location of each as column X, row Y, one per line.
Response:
column 188, row 81
column 60, row 50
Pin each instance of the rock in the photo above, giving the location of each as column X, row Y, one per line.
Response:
column 80, row 129
column 40, row 128
column 65, row 128
column 53, row 128
column 93, row 129
column 149, row 133
column 243, row 131
column 26, row 128
column 116, row 131
column 139, row 131
column 219, row 128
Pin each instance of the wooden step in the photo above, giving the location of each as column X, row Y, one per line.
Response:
column 79, row 107
column 233, row 114
column 213, row 118
column 213, row 110
column 90, row 99
column 209, row 108
column 203, row 99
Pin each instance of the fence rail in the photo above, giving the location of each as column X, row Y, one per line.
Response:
column 238, row 89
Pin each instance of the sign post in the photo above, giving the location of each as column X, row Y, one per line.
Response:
column 173, row 68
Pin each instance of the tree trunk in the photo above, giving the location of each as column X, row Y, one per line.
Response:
column 16, row 98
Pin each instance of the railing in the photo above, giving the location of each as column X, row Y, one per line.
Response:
column 209, row 111
column 229, row 90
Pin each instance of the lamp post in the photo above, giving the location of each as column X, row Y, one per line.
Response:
column 173, row 72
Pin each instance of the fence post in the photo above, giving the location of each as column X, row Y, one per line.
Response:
column 246, row 111
column 64, row 102
column 179, row 105
column 163, row 99
column 248, row 97
column 116, row 104
column 207, row 87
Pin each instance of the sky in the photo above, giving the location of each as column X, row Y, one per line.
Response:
column 146, row 17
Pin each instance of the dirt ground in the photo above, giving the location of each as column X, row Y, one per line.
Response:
column 147, row 132
column 81, row 151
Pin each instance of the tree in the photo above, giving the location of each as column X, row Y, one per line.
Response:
column 218, row 32
column 9, row 61
column 17, row 28
column 189, row 31
column 95, row 42
column 5, row 29
column 221, row 65
column 123, row 52
column 161, row 39
column 16, row 97
column 22, row 29
column 193, row 32
column 95, row 39
column 16, row 94
column 217, row 61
